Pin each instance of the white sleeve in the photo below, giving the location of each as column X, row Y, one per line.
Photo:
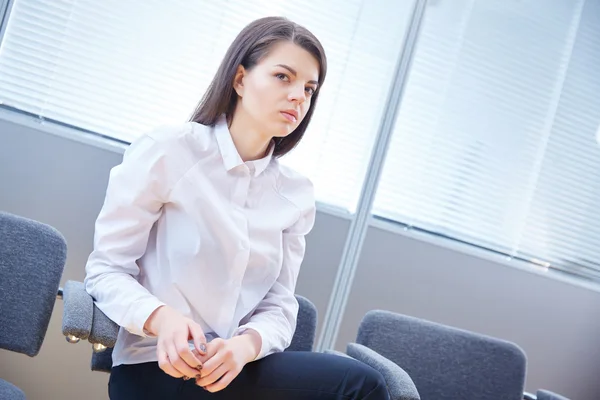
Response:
column 136, row 191
column 276, row 315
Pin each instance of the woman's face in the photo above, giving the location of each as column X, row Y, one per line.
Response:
column 275, row 95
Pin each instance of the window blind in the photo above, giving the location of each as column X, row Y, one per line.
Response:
column 119, row 68
column 494, row 143
column 562, row 225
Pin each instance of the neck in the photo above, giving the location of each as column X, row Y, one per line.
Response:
column 250, row 143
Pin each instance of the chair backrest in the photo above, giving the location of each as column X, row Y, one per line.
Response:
column 32, row 259
column 306, row 326
column 446, row 363
column 303, row 340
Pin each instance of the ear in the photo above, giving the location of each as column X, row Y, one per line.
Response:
column 238, row 80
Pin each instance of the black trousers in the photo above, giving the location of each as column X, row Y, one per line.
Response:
column 288, row 376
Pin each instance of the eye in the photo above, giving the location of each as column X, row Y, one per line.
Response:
column 309, row 90
column 282, row 77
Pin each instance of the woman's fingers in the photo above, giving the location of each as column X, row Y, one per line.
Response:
column 185, row 353
column 215, row 356
column 197, row 335
column 222, row 383
column 165, row 364
column 183, row 368
column 213, row 376
column 224, row 361
column 173, row 350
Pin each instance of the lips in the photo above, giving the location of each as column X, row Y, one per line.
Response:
column 290, row 115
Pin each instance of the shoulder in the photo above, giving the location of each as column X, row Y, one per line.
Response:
column 295, row 187
column 162, row 139
column 183, row 144
column 181, row 136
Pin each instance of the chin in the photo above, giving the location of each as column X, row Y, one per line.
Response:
column 283, row 130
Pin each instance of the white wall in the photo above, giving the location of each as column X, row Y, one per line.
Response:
column 61, row 182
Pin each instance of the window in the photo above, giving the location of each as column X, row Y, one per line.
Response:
column 495, row 139
column 494, row 143
column 119, row 68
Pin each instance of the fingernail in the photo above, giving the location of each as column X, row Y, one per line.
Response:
column 186, row 378
column 199, row 367
column 198, row 376
column 203, row 347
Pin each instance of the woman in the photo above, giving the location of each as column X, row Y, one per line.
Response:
column 200, row 239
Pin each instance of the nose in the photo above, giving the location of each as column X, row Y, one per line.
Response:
column 297, row 94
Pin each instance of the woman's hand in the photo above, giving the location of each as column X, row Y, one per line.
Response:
column 173, row 331
column 226, row 358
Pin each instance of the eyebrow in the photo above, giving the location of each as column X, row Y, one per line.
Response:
column 293, row 71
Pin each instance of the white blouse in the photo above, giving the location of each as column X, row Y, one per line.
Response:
column 187, row 223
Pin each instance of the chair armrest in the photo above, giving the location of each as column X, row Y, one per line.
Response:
column 399, row 383
column 336, row 353
column 548, row 395
column 529, row 396
column 104, row 330
column 78, row 310
column 82, row 319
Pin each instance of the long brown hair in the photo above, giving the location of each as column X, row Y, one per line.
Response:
column 249, row 47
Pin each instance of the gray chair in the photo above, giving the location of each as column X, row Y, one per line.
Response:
column 446, row 363
column 545, row 395
column 32, row 260
column 83, row 320
column 399, row 384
